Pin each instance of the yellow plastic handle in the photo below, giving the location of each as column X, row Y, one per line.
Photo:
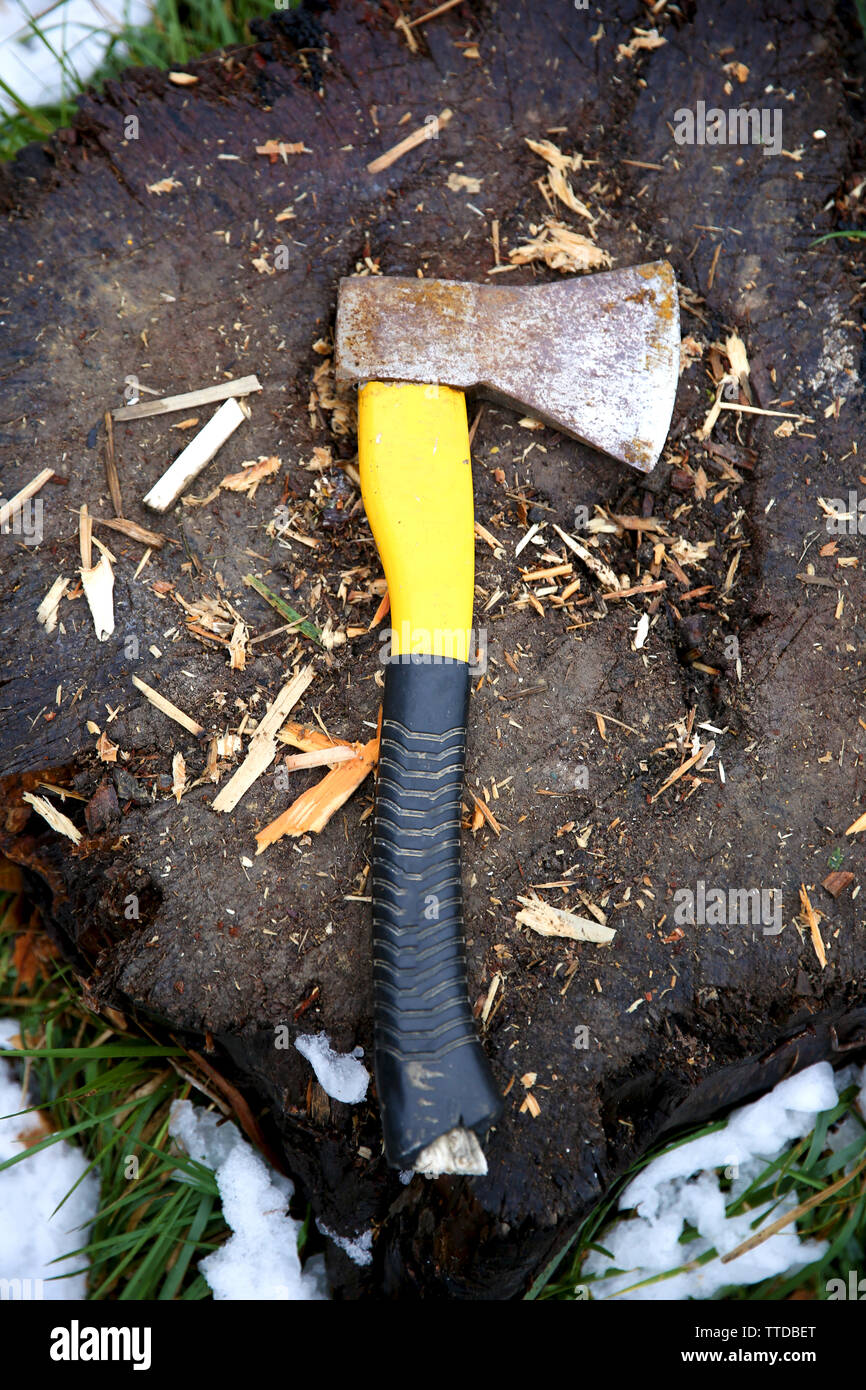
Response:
column 416, row 480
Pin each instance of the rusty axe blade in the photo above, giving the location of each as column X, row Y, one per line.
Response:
column 596, row 356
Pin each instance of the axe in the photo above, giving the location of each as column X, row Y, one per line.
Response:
column 595, row 357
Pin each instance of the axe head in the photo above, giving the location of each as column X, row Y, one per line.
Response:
column 595, row 356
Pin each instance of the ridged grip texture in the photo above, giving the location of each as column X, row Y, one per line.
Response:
column 432, row 1075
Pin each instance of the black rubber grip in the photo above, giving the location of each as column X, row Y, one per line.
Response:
column 432, row 1074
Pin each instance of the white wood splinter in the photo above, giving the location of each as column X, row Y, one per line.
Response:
column 197, row 455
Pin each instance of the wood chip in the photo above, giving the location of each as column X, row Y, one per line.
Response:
column 56, row 819
column 96, row 580
column 166, row 707
column 282, row 148
column 111, row 467
column 248, row 479
column 263, row 744
column 812, row 919
column 105, row 749
column 207, row 395
column 310, row 739
column 321, row 757
column 433, row 14
column 132, row 530
column 46, row 613
column 238, row 646
column 837, row 881
column 858, row 825
column 29, row 490
column 701, row 756
column 428, row 131
column 312, row 810
column 486, row 812
column 540, row 917
column 178, row 776
column 164, row 186
column 642, row 40
column 592, row 561
column 197, row 455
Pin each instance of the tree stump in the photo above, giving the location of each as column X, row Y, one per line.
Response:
column 152, row 241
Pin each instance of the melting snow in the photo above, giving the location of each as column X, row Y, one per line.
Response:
column 341, row 1075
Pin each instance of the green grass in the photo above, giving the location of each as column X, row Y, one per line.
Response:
column 109, row 1091
column 179, row 31
column 808, row 1169
column 854, row 235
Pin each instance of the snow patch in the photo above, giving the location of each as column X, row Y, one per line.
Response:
column 260, row 1259
column 32, row 1233
column 681, row 1187
column 75, row 29
column 359, row 1248
column 341, row 1075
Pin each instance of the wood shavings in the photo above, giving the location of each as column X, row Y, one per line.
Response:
column 131, row 530
column 238, row 646
column 320, row 757
column 166, row 707
column 545, row 920
column 47, row 612
column 96, row 580
column 381, row 612
column 263, row 744
column 402, row 25
column 312, row 810
column 858, row 825
column 495, row 985
column 14, row 505
column 56, row 819
column 735, row 349
column 558, row 166
column 463, row 183
column 697, row 761
column 105, row 749
column 812, row 920
column 178, row 776
column 642, row 631
column 592, row 561
column 530, row 1106
column 164, row 186
column 691, row 350
column 641, row 41
column 560, row 248
column 704, row 431
column 182, row 79
column 486, row 813
column 281, row 149
column 336, row 399
column 309, row 739
column 737, row 70
column 428, row 131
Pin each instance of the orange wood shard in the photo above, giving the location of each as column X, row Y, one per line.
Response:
column 313, row 809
